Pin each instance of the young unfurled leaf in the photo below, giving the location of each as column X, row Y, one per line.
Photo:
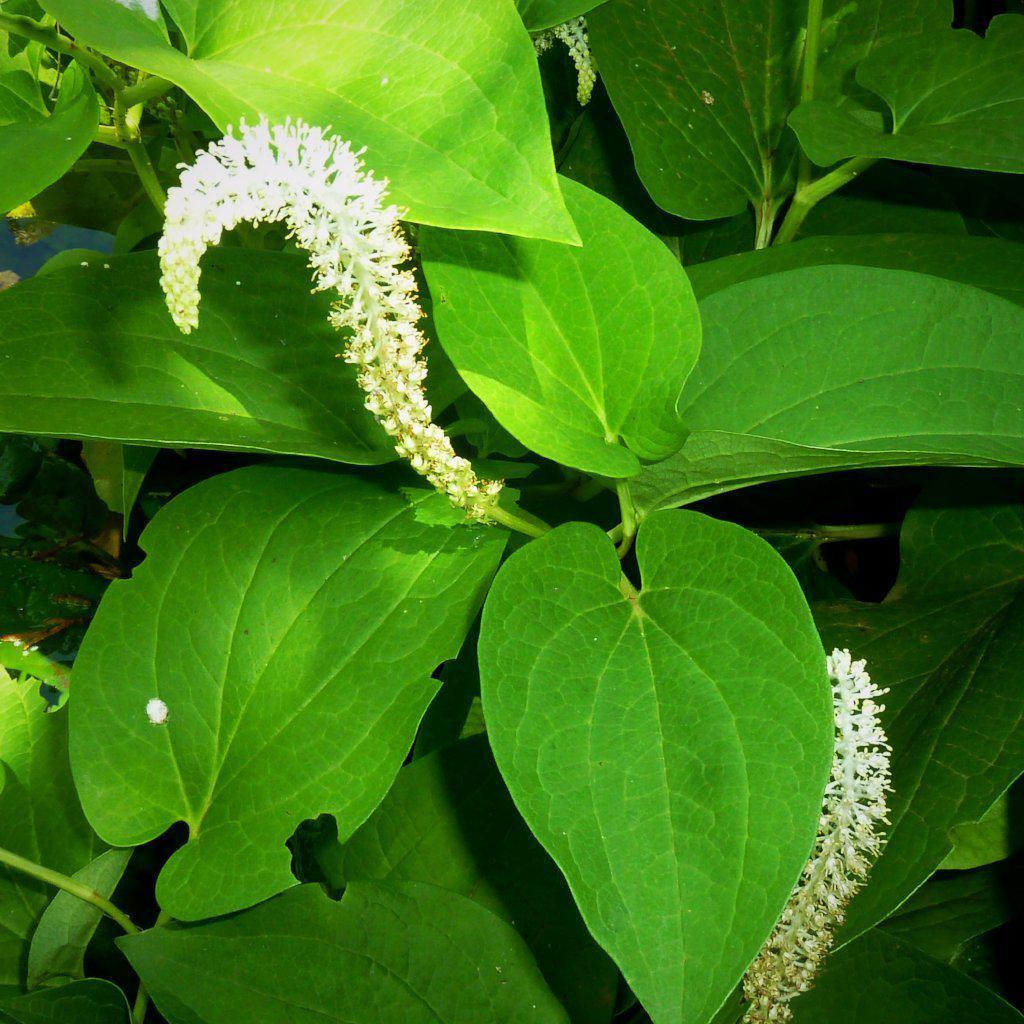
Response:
column 450, row 109
column 668, row 749
column 572, row 349
column 289, row 619
column 948, row 642
column 394, row 953
column 954, row 99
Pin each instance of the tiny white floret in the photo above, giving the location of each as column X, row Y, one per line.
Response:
column 157, row 711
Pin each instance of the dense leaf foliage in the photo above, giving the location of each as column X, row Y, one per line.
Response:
column 360, row 660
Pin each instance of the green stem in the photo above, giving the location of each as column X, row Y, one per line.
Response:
column 766, row 214
column 809, row 195
column 514, row 521
column 808, row 74
column 83, row 892
column 126, row 123
column 628, row 512
column 145, row 90
column 859, row 531
column 141, row 1004
column 28, row 29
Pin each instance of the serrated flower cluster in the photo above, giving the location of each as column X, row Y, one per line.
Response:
column 575, row 36
column 337, row 211
column 849, row 840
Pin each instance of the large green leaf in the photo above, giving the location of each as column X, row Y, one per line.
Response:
column 91, row 352
column 572, row 349
column 953, row 908
column 799, row 373
column 880, row 980
column 40, row 816
column 448, row 820
column 37, row 147
column 988, row 263
column 92, row 1001
column 404, row 954
column 668, row 749
column 948, row 642
column 290, row 619
column 955, row 99
column 704, row 89
column 994, row 836
column 67, row 926
column 449, row 109
column 540, row 14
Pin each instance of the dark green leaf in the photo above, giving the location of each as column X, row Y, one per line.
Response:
column 57, row 952
column 880, row 980
column 92, row 1001
column 117, row 471
column 669, row 750
column 948, row 642
column 540, row 14
column 290, row 619
column 530, row 327
column 404, row 954
column 994, row 836
column 955, row 99
column 449, row 109
column 449, row 820
column 92, row 352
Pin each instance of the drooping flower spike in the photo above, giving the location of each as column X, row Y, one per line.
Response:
column 849, row 840
column 338, row 212
column 575, row 36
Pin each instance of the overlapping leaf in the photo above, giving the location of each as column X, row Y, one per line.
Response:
column 92, row 1001
column 450, row 109
column 704, row 90
column 448, row 820
column 948, row 642
column 954, row 99
column 540, row 14
column 403, row 954
column 36, row 146
column 572, row 349
column 40, row 816
column 668, row 749
column 801, row 372
column 91, row 352
column 290, row 619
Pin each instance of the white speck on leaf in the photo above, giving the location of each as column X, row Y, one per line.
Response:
column 157, row 711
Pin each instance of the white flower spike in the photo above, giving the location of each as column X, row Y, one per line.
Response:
column 335, row 210
column 849, row 840
column 575, row 36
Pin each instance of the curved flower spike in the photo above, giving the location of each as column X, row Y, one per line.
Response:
column 575, row 36
column 336, row 210
column 848, row 843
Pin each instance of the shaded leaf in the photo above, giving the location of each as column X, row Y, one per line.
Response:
column 955, row 99
column 92, row 1001
column 57, row 952
column 994, row 836
column 290, row 619
column 529, row 327
column 539, row 14
column 402, row 954
column 668, row 750
column 117, row 471
column 948, row 642
column 92, row 353
column 449, row 820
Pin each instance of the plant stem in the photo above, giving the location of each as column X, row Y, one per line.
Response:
column 628, row 511
column 126, row 123
column 144, row 90
column 28, row 29
column 765, row 214
column 514, row 521
column 83, row 892
column 809, row 195
column 859, row 531
column 808, row 74
column 141, row 1004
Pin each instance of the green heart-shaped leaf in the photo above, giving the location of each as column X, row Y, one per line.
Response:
column 668, row 749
